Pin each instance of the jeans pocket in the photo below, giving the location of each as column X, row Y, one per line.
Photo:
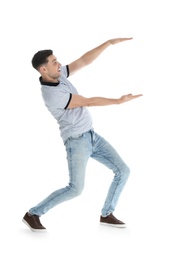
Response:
column 74, row 137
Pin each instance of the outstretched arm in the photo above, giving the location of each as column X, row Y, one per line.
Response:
column 80, row 101
column 91, row 55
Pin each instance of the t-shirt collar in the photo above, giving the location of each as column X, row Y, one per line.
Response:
column 52, row 84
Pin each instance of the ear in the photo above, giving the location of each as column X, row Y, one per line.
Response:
column 42, row 69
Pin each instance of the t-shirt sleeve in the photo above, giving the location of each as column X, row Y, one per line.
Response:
column 58, row 99
column 65, row 71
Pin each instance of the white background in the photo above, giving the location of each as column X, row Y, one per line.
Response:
column 33, row 162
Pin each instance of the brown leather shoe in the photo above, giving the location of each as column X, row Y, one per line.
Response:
column 33, row 222
column 112, row 221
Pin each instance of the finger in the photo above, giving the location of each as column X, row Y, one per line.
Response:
column 125, row 39
column 136, row 96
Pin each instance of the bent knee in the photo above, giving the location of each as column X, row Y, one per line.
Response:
column 76, row 191
column 126, row 172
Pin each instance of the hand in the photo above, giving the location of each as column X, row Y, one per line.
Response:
column 128, row 97
column 117, row 40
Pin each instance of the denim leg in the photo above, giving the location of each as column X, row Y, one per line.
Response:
column 104, row 153
column 78, row 152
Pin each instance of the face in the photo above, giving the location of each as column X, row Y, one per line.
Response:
column 51, row 70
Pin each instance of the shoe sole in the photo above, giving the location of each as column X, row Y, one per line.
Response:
column 113, row 225
column 34, row 230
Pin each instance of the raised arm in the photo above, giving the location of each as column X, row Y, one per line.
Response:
column 91, row 55
column 80, row 101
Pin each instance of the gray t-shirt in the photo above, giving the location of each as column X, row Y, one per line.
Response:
column 57, row 97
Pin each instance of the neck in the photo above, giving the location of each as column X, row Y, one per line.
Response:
column 49, row 79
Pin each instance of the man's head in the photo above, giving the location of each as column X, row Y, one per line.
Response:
column 47, row 65
column 40, row 58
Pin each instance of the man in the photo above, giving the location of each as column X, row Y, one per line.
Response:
column 76, row 129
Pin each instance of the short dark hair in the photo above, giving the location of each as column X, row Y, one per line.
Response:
column 40, row 58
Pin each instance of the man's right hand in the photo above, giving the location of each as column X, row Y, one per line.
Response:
column 128, row 97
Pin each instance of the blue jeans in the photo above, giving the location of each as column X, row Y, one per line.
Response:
column 79, row 149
